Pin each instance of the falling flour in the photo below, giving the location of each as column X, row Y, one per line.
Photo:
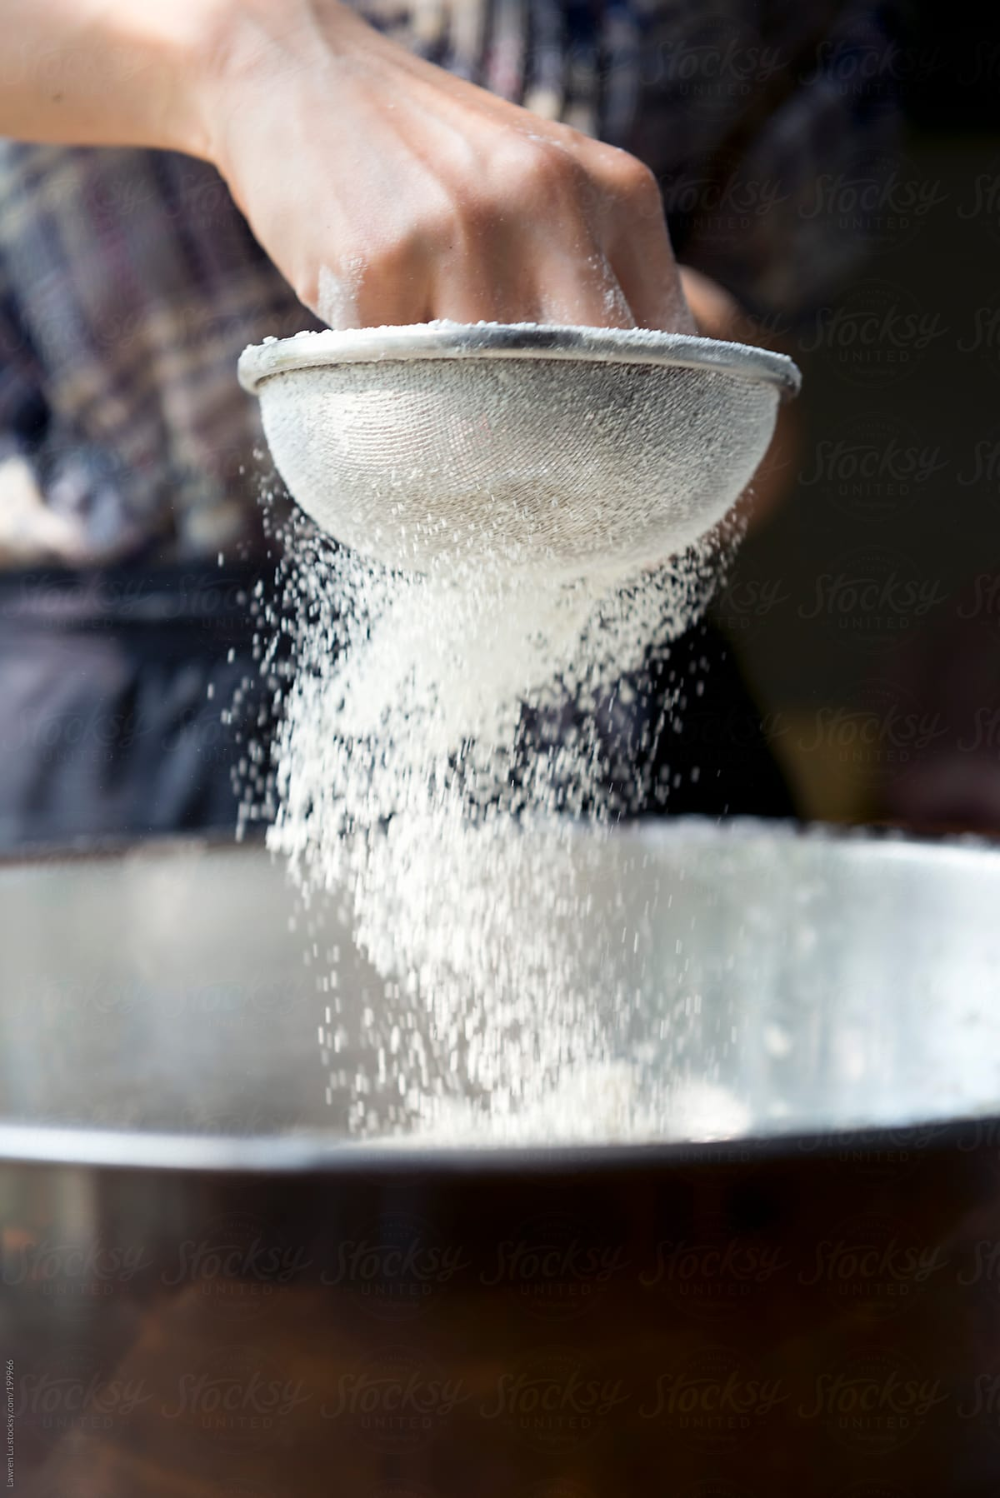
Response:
column 440, row 744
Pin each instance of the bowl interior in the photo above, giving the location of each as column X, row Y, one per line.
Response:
column 842, row 981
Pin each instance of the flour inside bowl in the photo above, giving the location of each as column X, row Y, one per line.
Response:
column 441, row 741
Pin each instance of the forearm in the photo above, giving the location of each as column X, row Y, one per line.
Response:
column 108, row 72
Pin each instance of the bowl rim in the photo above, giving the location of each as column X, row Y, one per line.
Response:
column 309, row 350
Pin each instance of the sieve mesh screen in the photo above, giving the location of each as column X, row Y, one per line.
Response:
column 559, row 465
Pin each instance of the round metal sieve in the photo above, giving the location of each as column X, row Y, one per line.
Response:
column 563, row 450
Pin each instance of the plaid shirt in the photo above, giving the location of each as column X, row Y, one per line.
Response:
column 129, row 282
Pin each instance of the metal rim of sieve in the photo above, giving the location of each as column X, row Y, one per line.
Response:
column 260, row 362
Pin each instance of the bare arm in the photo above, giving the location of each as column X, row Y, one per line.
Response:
column 384, row 189
column 106, row 72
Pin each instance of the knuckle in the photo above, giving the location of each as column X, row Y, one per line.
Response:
column 635, row 182
column 540, row 169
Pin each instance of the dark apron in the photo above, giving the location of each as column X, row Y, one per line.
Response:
column 114, row 685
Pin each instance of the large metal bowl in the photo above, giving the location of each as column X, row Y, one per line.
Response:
column 208, row 1288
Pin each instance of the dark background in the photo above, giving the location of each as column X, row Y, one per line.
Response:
column 866, row 611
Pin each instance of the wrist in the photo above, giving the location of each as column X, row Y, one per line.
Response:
column 159, row 76
column 187, row 48
column 242, row 49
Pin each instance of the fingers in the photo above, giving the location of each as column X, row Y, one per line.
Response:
column 394, row 298
column 466, row 299
column 716, row 313
column 520, row 278
column 554, row 289
column 638, row 246
column 383, row 275
column 648, row 276
column 587, row 296
column 487, row 279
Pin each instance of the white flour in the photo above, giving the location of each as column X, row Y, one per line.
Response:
column 409, row 785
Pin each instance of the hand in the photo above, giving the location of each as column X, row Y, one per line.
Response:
column 389, row 192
